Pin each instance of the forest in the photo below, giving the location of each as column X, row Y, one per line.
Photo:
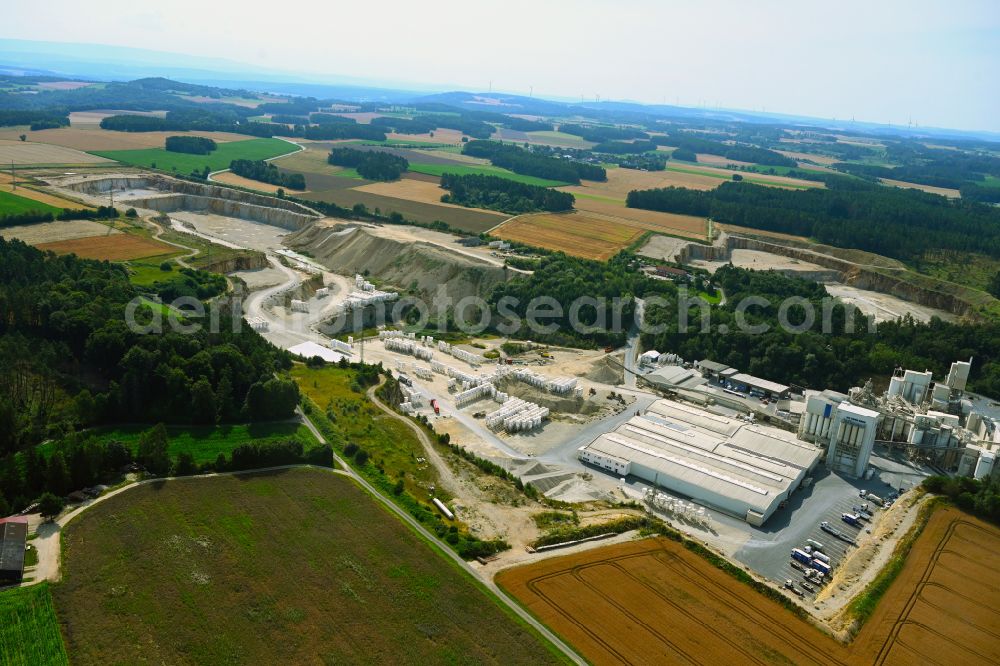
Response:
column 738, row 152
column 68, row 359
column 528, row 163
column 53, row 117
column 601, row 134
column 567, row 279
column 503, row 194
column 938, row 167
column 194, row 145
column 814, row 359
column 624, row 147
column 32, row 217
column 370, row 164
column 266, row 172
column 895, row 222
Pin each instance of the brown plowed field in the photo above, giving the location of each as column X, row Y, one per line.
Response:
column 653, row 601
column 116, row 247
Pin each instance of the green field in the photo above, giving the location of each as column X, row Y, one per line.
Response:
column 466, row 170
column 12, row 204
column 205, row 443
column 294, row 567
column 29, row 630
column 251, row 149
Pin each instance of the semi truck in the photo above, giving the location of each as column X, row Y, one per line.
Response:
column 436, row 406
column 851, row 519
column 872, row 497
column 830, row 529
column 816, row 545
column 801, row 555
column 822, row 567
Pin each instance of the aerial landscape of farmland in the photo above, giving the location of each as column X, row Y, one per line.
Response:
column 368, row 340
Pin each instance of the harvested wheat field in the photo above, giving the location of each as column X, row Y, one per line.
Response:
column 26, row 153
column 949, row 192
column 719, row 160
column 413, row 189
column 92, row 119
column 230, row 178
column 114, row 247
column 573, row 233
column 594, row 235
column 689, row 226
column 654, row 601
column 622, row 181
column 51, row 232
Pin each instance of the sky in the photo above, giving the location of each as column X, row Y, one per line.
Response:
column 933, row 63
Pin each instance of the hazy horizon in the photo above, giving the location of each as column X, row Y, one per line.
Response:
column 925, row 62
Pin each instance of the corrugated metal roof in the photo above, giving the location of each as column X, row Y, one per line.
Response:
column 757, row 382
column 714, row 366
column 729, row 459
column 13, row 535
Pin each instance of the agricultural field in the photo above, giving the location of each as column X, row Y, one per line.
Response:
column 411, row 189
column 593, row 234
column 15, row 204
column 230, row 178
column 92, row 138
column 465, row 170
column 50, row 232
column 249, row 149
column 299, row 566
column 92, row 119
column 29, row 629
column 110, row 247
column 205, row 443
column 26, row 189
column 573, row 233
column 721, row 174
column 25, row 153
column 654, row 601
column 949, row 192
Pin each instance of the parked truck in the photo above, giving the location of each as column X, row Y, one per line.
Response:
column 816, row 545
column 851, row 519
column 791, row 586
column 822, row 567
column 436, row 406
column 830, row 529
column 801, row 555
column 820, row 556
column 872, row 497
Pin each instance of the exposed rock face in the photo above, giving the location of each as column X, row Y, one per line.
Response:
column 228, row 208
column 249, row 262
column 417, row 265
column 165, row 194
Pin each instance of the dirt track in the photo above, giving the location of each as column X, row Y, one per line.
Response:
column 653, row 601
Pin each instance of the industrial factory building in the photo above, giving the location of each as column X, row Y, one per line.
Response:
column 738, row 468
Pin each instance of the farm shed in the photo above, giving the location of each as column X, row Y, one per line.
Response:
column 13, row 536
column 740, row 469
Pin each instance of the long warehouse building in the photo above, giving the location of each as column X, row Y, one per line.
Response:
column 742, row 469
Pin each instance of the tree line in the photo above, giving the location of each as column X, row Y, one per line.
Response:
column 894, row 222
column 193, row 145
column 602, row 134
column 503, row 194
column 370, row 164
column 36, row 216
column 525, row 162
column 266, row 172
column 739, row 152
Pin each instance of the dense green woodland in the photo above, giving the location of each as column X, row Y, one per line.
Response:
column 370, row 164
column 894, row 222
column 33, row 216
column 739, row 152
column 599, row 134
column 528, row 163
column 266, row 172
column 939, row 167
column 67, row 358
column 193, row 145
column 812, row 359
column 503, row 194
